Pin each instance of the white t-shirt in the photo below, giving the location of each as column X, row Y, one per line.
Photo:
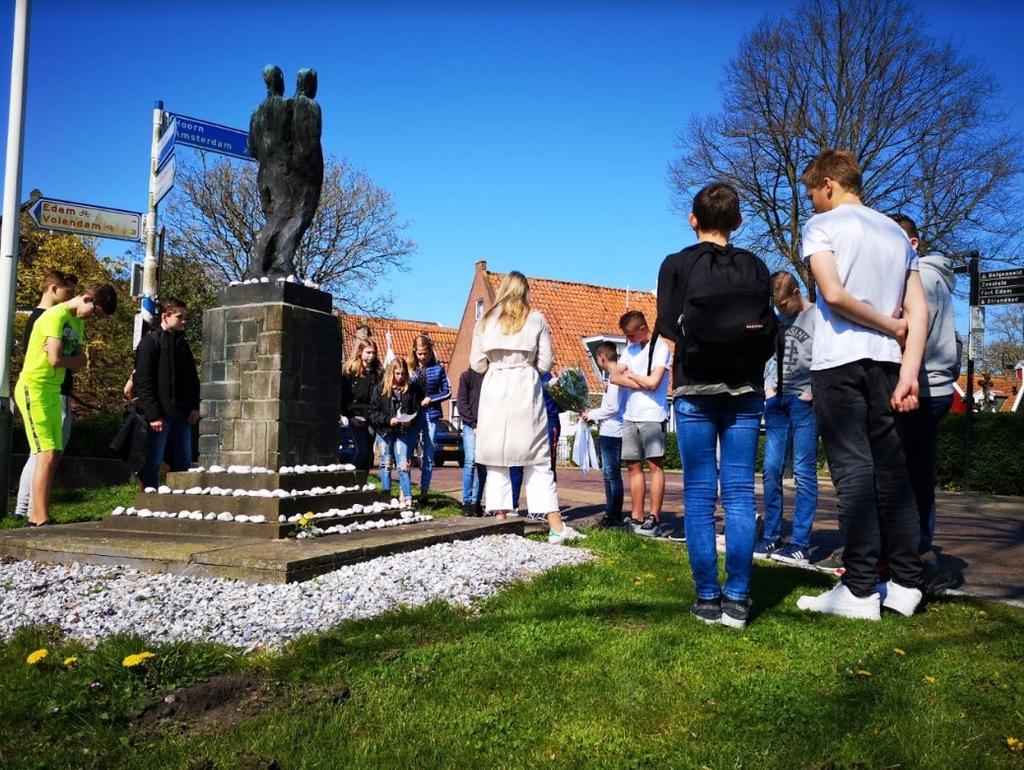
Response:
column 647, row 405
column 872, row 255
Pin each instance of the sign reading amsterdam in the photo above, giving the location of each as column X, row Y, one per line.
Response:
column 84, row 219
column 204, row 135
column 1001, row 287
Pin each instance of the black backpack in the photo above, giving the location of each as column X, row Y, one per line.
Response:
column 726, row 322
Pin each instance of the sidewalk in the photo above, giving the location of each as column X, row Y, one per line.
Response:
column 981, row 536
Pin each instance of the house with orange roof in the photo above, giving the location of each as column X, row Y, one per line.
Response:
column 580, row 316
column 402, row 334
column 992, row 393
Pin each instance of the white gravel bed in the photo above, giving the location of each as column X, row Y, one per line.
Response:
column 91, row 602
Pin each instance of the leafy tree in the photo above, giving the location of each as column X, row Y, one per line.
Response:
column 108, row 341
column 354, row 241
column 863, row 75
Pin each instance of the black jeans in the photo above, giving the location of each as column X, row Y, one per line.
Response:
column 920, row 432
column 869, row 470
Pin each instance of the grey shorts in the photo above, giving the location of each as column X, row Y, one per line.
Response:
column 643, row 440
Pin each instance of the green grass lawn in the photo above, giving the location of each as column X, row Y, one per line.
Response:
column 598, row 665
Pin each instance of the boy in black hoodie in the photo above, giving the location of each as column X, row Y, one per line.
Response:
column 167, row 385
column 714, row 302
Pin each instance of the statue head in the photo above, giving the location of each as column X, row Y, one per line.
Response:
column 274, row 78
column 306, row 83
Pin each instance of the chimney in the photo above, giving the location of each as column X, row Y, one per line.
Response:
column 481, row 266
column 1018, row 373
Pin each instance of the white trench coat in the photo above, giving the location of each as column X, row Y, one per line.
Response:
column 512, row 426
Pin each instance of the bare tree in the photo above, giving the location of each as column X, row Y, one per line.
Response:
column 1005, row 333
column 355, row 239
column 861, row 75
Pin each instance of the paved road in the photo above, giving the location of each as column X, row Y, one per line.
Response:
column 982, row 536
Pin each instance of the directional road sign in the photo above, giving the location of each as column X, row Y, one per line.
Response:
column 1001, row 287
column 204, row 135
column 84, row 219
column 165, row 147
column 164, row 181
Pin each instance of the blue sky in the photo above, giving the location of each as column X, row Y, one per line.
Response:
column 535, row 136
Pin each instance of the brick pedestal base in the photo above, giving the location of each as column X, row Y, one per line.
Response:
column 270, row 379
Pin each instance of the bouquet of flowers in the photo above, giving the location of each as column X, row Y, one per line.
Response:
column 569, row 390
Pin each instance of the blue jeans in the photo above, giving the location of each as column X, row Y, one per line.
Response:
column 175, row 440
column 703, row 422
column 425, row 427
column 395, row 452
column 785, row 417
column 473, row 476
column 611, row 469
column 362, row 436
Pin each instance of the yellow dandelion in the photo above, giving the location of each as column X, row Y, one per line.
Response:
column 37, row 656
column 71, row 661
column 1014, row 744
column 899, row 652
column 131, row 661
column 863, row 672
column 929, row 680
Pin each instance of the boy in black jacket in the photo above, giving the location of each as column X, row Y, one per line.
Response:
column 167, row 386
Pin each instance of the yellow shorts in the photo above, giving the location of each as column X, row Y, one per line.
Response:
column 41, row 410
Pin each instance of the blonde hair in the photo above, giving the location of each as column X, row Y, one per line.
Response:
column 513, row 302
column 422, row 341
column 387, row 382
column 354, row 364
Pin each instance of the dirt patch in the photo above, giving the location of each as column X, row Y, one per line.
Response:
column 220, row 702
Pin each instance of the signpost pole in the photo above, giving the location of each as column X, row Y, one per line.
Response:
column 149, row 274
column 969, row 394
column 9, row 236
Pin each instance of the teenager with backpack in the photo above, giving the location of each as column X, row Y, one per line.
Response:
column 715, row 303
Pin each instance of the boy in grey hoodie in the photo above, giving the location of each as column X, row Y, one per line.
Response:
column 939, row 370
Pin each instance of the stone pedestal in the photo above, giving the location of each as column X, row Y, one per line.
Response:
column 271, row 377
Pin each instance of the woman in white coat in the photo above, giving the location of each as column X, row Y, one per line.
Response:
column 512, row 348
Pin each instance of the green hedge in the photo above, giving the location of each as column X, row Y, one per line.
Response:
column 90, row 436
column 997, row 458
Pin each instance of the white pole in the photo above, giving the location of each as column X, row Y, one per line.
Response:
column 149, row 287
column 9, row 236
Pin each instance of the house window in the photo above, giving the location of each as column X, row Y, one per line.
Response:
column 478, row 310
column 591, row 343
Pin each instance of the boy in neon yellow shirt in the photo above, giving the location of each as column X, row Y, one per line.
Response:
column 54, row 346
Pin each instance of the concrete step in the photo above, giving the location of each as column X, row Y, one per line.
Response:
column 185, row 479
column 251, row 559
column 271, row 507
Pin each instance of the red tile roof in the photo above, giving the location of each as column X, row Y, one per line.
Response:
column 403, row 332
column 1008, row 387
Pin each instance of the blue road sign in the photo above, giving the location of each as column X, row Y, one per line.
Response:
column 165, row 147
column 203, row 135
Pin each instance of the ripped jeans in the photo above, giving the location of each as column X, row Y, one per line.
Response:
column 395, row 452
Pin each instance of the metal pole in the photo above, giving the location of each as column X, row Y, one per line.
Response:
column 969, row 395
column 9, row 236
column 149, row 266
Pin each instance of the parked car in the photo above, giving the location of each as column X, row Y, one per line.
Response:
column 346, row 444
column 448, row 444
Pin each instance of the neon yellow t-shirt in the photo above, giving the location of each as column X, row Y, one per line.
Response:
column 57, row 322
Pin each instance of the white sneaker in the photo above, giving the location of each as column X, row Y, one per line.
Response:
column 899, row 598
column 567, row 533
column 841, row 601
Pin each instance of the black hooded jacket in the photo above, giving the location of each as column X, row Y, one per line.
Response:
column 165, row 375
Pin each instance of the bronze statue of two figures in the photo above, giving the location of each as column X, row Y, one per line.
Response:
column 284, row 138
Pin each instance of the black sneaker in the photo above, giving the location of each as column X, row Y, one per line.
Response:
column 707, row 610
column 478, row 510
column 468, row 509
column 649, row 528
column 610, row 522
column 936, row 578
column 735, row 613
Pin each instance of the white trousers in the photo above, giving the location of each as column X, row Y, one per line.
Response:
column 538, row 486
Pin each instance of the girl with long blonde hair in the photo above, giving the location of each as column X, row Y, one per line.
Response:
column 512, row 349
column 394, row 402
column 360, row 375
